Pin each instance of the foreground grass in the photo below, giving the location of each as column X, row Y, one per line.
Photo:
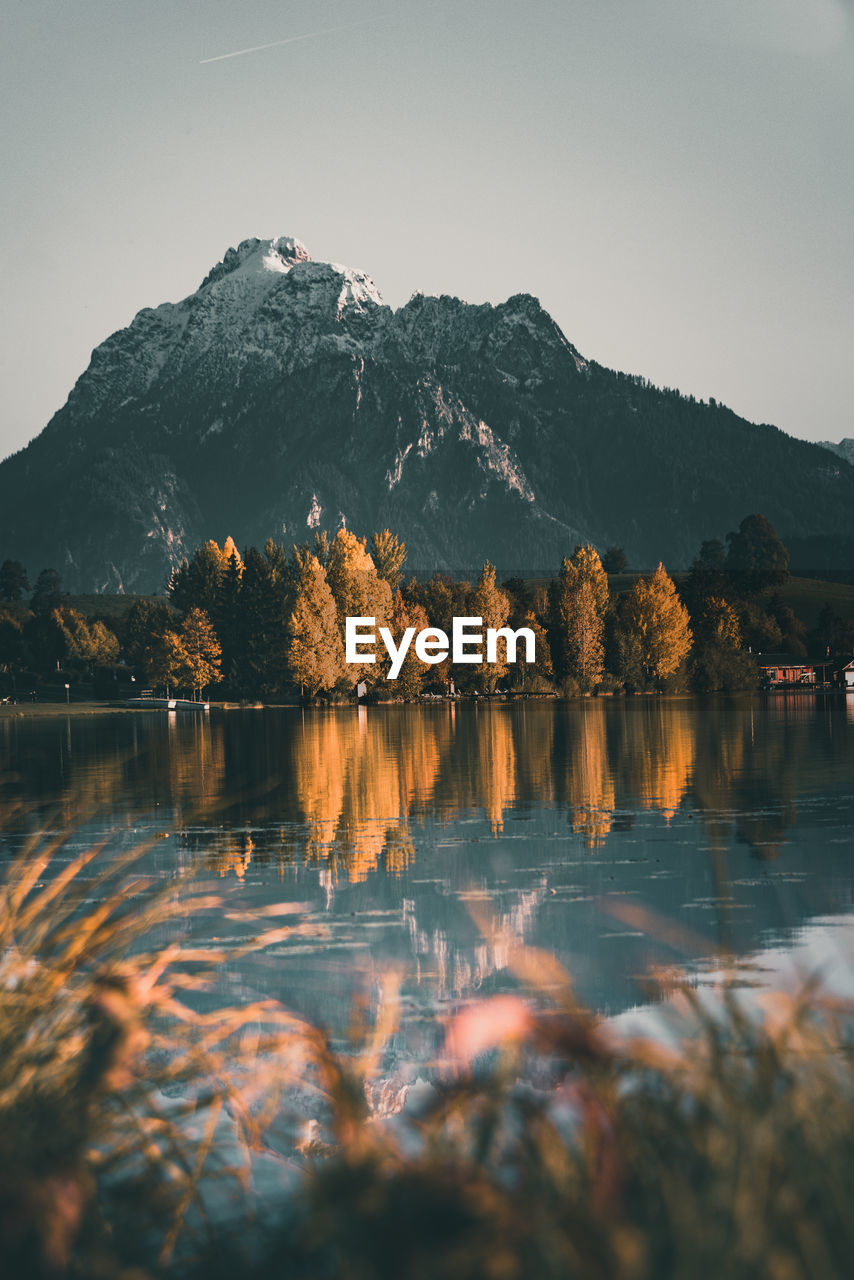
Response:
column 125, row 1097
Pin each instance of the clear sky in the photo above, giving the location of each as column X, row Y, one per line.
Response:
column 673, row 179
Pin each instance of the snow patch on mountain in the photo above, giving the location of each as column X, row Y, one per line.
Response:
column 497, row 459
column 315, row 511
column 395, row 473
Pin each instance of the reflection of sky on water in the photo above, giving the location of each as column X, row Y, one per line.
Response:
column 401, row 827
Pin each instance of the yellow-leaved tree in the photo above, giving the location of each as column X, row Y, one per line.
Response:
column 410, row 680
column 315, row 653
column 359, row 592
column 654, row 637
column 389, row 556
column 580, row 606
column 202, row 651
column 491, row 604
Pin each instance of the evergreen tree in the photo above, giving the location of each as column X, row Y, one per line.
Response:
column 45, row 640
column 521, row 599
column 260, row 632
column 541, row 671
column 580, row 603
column 13, row 580
column 145, row 619
column 47, row 592
column 756, row 556
column 198, row 582
column 315, row 653
column 615, row 560
column 655, row 635
column 11, row 642
column 228, row 621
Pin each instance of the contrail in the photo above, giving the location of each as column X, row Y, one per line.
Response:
column 309, row 35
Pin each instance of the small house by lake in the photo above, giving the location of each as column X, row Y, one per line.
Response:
column 785, row 671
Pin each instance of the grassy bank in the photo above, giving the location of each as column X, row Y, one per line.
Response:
column 40, row 710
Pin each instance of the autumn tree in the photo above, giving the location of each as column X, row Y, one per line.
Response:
column 358, row 591
column 389, row 556
column 13, row 580
column 580, row 600
column 490, row 604
column 654, row 636
column 199, row 581
column 202, row 650
column 413, row 672
column 315, row 653
column 92, row 644
column 165, row 661
column 541, row 669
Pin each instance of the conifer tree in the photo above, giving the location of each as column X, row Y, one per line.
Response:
column 13, row 580
column 47, row 592
column 581, row 600
column 11, row 642
column 315, row 653
column 756, row 556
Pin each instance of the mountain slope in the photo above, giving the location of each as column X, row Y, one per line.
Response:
column 283, row 396
column 844, row 449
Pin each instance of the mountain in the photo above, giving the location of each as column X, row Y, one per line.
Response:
column 844, row 449
column 283, row 396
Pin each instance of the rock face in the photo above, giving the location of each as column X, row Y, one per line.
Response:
column 284, row 396
column 844, row 449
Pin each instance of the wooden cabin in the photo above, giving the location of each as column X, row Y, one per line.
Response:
column 783, row 671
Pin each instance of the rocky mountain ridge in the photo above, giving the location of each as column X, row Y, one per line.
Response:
column 284, row 395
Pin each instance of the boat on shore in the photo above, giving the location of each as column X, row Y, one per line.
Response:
column 166, row 704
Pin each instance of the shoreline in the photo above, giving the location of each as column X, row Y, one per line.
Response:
column 47, row 710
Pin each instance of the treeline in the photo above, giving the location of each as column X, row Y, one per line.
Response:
column 267, row 624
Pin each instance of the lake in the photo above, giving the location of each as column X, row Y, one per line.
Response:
column 615, row 834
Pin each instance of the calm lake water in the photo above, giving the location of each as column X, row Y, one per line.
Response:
column 615, row 834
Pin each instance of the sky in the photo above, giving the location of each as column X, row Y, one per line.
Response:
column 673, row 180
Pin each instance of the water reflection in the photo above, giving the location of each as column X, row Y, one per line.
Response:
column 733, row 814
column 345, row 784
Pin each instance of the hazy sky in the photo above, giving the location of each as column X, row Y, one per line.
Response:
column 673, row 180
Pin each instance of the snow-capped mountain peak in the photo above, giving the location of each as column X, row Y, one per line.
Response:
column 283, row 395
column 252, row 256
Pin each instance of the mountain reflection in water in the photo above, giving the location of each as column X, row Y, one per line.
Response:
column 734, row 816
